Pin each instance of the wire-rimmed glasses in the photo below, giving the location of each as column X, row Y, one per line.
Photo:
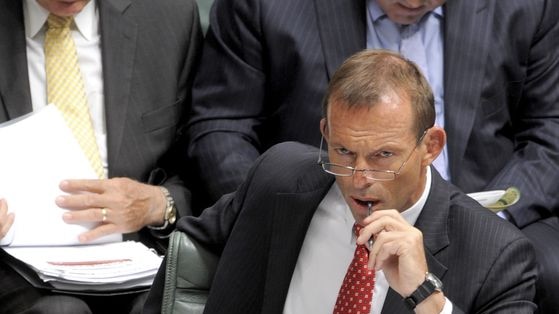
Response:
column 372, row 174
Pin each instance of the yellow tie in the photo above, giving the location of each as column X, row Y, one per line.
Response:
column 66, row 89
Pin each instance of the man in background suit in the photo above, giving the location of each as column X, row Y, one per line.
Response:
column 285, row 236
column 492, row 64
column 137, row 59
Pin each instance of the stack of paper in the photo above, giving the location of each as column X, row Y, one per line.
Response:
column 39, row 151
column 105, row 267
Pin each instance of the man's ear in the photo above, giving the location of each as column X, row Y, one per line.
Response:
column 434, row 142
column 324, row 128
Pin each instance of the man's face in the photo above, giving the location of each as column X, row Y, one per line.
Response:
column 408, row 11
column 380, row 137
column 63, row 7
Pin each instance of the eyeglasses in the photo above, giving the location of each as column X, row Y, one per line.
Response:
column 372, row 174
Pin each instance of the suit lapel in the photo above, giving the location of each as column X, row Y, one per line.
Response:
column 14, row 85
column 340, row 34
column 466, row 50
column 292, row 215
column 433, row 223
column 118, row 40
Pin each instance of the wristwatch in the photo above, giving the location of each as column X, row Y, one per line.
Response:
column 170, row 211
column 430, row 285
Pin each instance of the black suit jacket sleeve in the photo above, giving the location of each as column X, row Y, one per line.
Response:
column 228, row 98
column 211, row 229
column 535, row 121
column 501, row 112
column 148, row 79
column 172, row 166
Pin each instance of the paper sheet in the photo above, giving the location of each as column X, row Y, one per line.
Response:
column 37, row 153
column 106, row 266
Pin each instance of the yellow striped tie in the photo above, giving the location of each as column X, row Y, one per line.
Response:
column 66, row 89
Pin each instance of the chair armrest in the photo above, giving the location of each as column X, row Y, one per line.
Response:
column 188, row 275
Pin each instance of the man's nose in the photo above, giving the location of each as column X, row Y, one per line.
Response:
column 359, row 176
column 360, row 179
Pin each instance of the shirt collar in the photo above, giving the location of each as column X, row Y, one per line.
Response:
column 377, row 13
column 374, row 10
column 411, row 214
column 35, row 16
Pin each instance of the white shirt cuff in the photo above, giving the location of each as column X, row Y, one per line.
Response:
column 447, row 309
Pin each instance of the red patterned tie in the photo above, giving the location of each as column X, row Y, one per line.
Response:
column 356, row 292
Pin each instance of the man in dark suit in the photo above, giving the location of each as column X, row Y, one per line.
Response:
column 266, row 65
column 284, row 238
column 137, row 61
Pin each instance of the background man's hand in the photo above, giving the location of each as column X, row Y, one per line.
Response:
column 128, row 205
column 6, row 220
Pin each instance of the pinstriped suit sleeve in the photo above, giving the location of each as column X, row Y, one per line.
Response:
column 501, row 100
column 228, row 97
column 534, row 166
column 261, row 82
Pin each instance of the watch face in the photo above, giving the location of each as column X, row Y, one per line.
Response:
column 173, row 216
column 434, row 280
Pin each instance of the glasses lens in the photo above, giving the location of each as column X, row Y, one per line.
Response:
column 343, row 171
column 337, row 170
column 379, row 175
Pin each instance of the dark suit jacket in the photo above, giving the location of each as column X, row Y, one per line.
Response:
column 485, row 263
column 266, row 65
column 148, row 69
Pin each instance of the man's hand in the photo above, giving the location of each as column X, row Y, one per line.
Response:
column 128, row 205
column 397, row 250
column 6, row 220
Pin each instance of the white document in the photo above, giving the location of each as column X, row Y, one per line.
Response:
column 37, row 153
column 99, row 267
column 487, row 198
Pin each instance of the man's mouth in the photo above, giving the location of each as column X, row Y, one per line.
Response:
column 364, row 203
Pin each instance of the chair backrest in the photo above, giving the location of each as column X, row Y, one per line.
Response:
column 188, row 275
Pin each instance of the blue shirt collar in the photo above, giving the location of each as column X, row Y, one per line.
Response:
column 376, row 11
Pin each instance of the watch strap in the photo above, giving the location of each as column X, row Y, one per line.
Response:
column 170, row 211
column 421, row 293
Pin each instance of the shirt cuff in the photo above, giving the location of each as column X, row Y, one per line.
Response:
column 447, row 309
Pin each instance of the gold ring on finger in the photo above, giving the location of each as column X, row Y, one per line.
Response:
column 104, row 213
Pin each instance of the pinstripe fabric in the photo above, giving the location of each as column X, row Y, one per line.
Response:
column 147, row 79
column 486, row 265
column 66, row 89
column 545, row 231
column 268, row 63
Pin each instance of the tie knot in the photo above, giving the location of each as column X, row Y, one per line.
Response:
column 55, row 21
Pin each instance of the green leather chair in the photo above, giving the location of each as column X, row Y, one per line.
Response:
column 188, row 276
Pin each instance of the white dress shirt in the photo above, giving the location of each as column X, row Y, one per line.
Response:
column 87, row 39
column 327, row 251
